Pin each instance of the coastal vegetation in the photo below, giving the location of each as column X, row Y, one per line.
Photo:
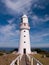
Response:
column 6, row 59
column 43, row 59
column 42, row 56
column 40, row 51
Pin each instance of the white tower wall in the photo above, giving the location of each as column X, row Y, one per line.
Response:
column 24, row 36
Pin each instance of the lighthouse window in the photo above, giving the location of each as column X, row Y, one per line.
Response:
column 24, row 24
column 24, row 36
column 24, row 42
column 24, row 31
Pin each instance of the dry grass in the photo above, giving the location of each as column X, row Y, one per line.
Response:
column 43, row 60
column 7, row 59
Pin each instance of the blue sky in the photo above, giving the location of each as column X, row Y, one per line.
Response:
column 10, row 18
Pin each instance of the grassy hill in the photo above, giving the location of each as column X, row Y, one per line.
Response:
column 7, row 59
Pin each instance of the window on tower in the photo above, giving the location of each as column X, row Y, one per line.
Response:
column 24, row 24
column 24, row 36
column 24, row 42
column 24, row 31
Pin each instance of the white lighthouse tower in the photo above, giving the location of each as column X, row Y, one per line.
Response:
column 24, row 47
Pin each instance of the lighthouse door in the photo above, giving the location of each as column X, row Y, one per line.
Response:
column 24, row 51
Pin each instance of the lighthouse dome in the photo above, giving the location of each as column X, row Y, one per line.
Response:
column 24, row 16
column 24, row 19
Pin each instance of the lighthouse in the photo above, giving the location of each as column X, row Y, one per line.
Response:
column 24, row 45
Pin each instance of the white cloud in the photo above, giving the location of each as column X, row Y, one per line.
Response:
column 8, row 32
column 18, row 6
column 11, row 20
column 8, row 35
column 44, row 19
column 6, row 29
column 38, row 37
column 37, row 20
column 39, row 6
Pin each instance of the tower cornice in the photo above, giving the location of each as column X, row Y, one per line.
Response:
column 24, row 26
